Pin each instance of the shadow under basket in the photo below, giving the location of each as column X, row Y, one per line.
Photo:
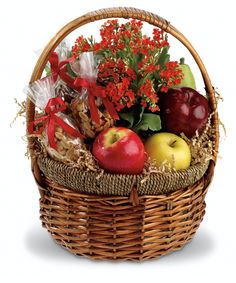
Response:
column 135, row 226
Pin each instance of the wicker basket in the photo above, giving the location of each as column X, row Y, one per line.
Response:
column 133, row 227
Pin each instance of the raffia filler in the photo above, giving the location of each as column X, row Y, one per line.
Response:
column 84, row 174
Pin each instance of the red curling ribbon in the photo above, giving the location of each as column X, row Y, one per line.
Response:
column 54, row 106
column 60, row 69
column 94, row 91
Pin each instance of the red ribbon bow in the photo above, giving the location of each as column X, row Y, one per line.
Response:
column 95, row 90
column 54, row 106
column 60, row 69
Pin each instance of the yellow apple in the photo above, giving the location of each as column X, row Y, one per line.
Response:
column 169, row 148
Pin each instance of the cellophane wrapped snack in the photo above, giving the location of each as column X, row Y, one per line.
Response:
column 56, row 130
column 86, row 68
column 57, row 68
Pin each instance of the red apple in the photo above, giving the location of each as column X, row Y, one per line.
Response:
column 119, row 150
column 183, row 110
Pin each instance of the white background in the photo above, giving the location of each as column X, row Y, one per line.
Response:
column 27, row 252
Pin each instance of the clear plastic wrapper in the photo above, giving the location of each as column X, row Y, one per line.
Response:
column 86, row 68
column 61, row 88
column 63, row 51
column 59, row 69
column 89, row 108
column 56, row 130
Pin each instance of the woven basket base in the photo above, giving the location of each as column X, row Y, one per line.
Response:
column 108, row 227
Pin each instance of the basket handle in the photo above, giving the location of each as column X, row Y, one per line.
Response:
column 122, row 12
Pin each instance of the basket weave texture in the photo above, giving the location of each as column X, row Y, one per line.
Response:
column 119, row 185
column 113, row 228
column 129, row 223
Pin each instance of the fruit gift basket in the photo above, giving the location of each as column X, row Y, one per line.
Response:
column 122, row 145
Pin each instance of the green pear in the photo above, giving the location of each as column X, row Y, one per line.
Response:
column 188, row 79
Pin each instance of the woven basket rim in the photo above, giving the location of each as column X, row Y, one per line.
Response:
column 119, row 184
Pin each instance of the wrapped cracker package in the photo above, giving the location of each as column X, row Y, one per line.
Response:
column 91, row 109
column 56, row 130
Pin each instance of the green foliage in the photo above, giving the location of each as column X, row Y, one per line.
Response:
column 47, row 69
column 149, row 121
column 138, row 120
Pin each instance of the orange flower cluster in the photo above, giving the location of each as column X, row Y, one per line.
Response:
column 133, row 67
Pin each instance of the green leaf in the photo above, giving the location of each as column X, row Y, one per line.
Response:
column 164, row 57
column 121, row 54
column 129, row 117
column 149, row 121
column 141, row 81
column 91, row 40
column 48, row 70
column 133, row 115
column 134, row 86
column 139, row 115
column 70, row 71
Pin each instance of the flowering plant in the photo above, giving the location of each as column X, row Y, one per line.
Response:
column 133, row 69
